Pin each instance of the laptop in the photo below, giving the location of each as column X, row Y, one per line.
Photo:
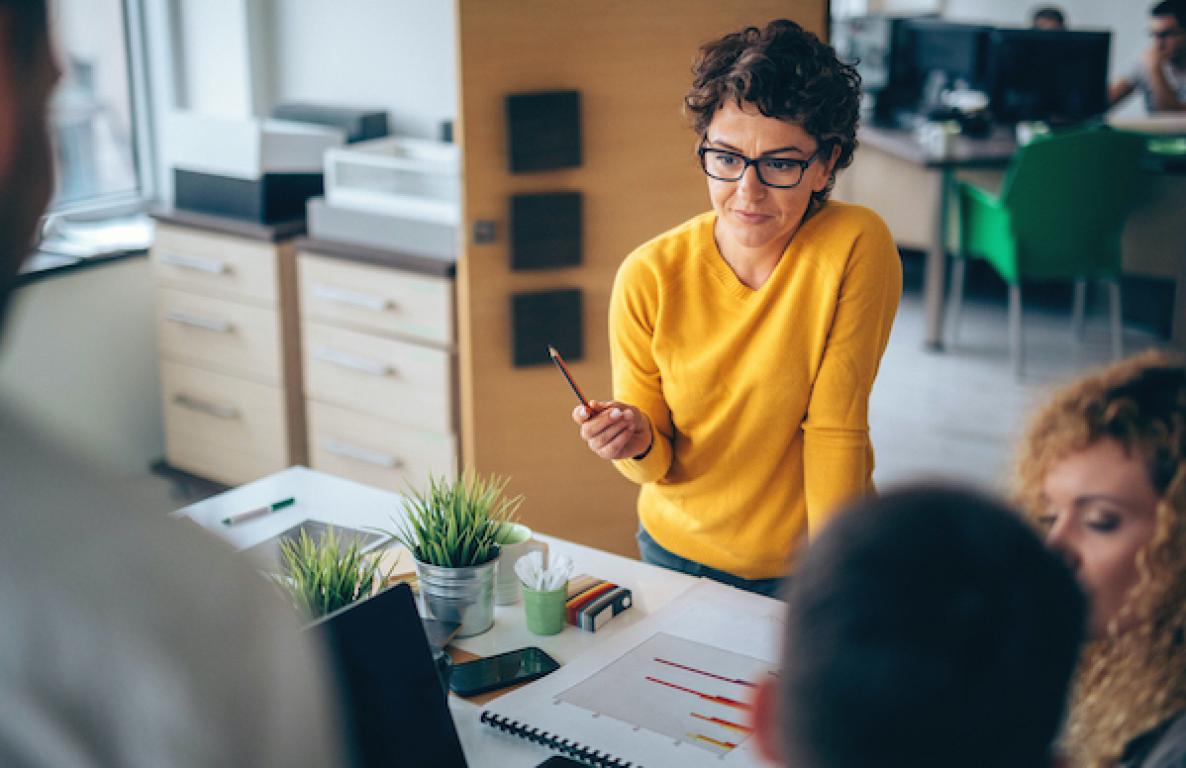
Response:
column 394, row 710
column 266, row 554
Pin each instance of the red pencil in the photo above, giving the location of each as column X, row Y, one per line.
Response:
column 559, row 361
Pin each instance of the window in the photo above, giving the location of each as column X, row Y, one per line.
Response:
column 96, row 114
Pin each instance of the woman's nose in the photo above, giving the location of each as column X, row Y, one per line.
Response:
column 750, row 183
column 1061, row 540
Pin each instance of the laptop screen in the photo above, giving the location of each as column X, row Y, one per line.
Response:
column 393, row 707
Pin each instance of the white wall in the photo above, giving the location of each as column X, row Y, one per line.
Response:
column 399, row 55
column 78, row 358
column 216, row 57
column 201, row 56
column 237, row 58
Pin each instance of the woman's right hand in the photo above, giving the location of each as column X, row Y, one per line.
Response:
column 614, row 430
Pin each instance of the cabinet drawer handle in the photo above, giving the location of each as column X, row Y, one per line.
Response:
column 206, row 407
column 357, row 452
column 198, row 321
column 195, row 263
column 353, row 362
column 352, row 298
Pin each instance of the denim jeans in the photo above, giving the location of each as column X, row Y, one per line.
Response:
column 652, row 552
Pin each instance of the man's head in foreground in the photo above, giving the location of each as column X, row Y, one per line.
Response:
column 28, row 74
column 927, row 627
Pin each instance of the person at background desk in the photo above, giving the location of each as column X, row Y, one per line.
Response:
column 1048, row 17
column 1161, row 74
column 745, row 341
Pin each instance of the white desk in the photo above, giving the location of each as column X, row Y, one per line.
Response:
column 911, row 188
column 343, row 502
column 318, row 497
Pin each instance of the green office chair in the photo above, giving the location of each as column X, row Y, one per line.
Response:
column 1060, row 215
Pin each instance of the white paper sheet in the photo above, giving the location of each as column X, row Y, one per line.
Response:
column 672, row 690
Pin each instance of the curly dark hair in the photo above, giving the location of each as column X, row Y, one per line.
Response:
column 787, row 73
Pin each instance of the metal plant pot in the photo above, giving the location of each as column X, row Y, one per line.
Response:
column 462, row 595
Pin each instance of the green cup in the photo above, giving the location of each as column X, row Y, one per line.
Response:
column 545, row 610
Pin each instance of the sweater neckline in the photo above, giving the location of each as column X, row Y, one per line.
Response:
column 724, row 273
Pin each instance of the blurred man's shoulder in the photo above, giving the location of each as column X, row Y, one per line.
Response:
column 135, row 602
column 56, row 505
column 75, row 529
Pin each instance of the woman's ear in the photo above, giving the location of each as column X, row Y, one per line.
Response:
column 766, row 723
column 828, row 170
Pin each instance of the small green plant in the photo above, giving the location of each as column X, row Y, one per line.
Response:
column 322, row 576
column 456, row 523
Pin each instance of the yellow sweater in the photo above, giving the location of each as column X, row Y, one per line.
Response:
column 758, row 398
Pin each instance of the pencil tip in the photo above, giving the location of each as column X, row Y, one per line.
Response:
column 552, row 351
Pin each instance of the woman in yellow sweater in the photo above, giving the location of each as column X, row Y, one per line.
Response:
column 746, row 340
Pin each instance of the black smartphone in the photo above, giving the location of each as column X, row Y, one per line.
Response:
column 494, row 672
column 559, row 761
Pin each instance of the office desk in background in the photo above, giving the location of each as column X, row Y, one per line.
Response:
column 1155, row 237
column 330, row 499
column 911, row 189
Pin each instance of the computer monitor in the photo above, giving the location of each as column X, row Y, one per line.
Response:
column 1054, row 76
column 931, row 52
column 394, row 708
column 956, row 50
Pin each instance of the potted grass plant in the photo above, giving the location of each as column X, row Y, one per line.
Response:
column 320, row 576
column 452, row 530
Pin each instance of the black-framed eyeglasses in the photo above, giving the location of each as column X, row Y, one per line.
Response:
column 776, row 172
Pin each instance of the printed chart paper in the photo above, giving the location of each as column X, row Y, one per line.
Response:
column 674, row 689
column 681, row 689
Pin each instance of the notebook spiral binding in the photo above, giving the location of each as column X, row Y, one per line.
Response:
column 567, row 747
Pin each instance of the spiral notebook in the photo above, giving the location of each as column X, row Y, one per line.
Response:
column 674, row 688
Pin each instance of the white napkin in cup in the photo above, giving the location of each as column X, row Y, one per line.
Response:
column 535, row 575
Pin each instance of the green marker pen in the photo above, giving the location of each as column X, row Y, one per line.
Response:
column 251, row 514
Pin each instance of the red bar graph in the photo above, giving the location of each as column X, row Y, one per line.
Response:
column 712, row 741
column 723, row 723
column 728, row 702
column 713, row 675
column 696, row 694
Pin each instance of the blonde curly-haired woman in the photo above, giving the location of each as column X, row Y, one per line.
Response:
column 1103, row 470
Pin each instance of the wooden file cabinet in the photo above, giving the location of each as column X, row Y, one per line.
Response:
column 380, row 367
column 229, row 346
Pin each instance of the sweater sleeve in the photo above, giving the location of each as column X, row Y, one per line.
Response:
column 837, row 460
column 636, row 378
